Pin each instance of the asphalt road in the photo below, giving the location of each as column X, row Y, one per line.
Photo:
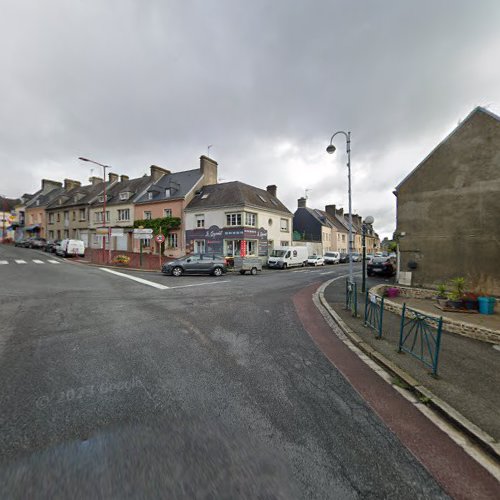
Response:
column 210, row 388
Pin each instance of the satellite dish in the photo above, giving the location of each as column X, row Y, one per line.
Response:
column 369, row 220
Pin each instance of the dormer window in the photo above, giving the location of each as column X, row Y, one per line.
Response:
column 101, row 198
column 124, row 196
column 37, row 203
column 58, row 201
column 150, row 196
column 168, row 193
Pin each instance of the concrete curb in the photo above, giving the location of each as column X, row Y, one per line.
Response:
column 480, row 437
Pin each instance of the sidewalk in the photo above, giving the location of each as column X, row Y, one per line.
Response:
column 469, row 370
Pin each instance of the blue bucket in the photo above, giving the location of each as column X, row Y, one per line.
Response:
column 486, row 305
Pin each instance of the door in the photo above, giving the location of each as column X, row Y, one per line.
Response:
column 193, row 264
column 199, row 246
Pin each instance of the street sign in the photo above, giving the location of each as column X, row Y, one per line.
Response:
column 160, row 238
column 101, row 230
column 143, row 231
column 142, row 236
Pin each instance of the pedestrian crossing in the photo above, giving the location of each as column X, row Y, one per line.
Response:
column 33, row 261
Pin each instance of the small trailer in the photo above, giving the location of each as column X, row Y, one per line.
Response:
column 250, row 264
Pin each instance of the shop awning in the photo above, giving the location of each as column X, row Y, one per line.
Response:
column 33, row 227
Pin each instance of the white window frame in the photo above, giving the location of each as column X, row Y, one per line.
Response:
column 284, row 225
column 172, row 240
column 251, row 219
column 148, row 215
column 167, row 212
column 124, row 196
column 123, row 214
column 233, row 219
column 200, row 220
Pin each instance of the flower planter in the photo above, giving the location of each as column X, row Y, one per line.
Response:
column 392, row 292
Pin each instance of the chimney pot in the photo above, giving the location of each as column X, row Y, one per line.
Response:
column 272, row 190
column 302, row 203
column 112, row 177
column 158, row 172
column 70, row 184
column 95, row 180
column 124, row 178
column 208, row 169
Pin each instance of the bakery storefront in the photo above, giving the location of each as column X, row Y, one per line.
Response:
column 230, row 242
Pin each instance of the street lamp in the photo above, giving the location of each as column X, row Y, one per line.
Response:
column 368, row 220
column 104, row 167
column 330, row 150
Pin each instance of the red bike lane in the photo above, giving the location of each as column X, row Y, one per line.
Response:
column 457, row 473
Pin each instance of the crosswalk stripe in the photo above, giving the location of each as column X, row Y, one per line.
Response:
column 4, row 262
column 38, row 261
column 53, row 261
column 20, row 261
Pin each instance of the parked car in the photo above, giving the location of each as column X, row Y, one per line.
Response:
column 50, row 246
column 369, row 257
column 20, row 242
column 196, row 263
column 315, row 260
column 382, row 266
column 343, row 258
column 68, row 248
column 332, row 257
column 37, row 243
column 356, row 257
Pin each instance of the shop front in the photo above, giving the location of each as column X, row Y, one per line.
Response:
column 230, row 242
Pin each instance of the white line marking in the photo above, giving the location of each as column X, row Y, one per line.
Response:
column 38, row 261
column 20, row 261
column 134, row 278
column 53, row 261
column 4, row 261
column 201, row 284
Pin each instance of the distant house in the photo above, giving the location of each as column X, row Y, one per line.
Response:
column 35, row 208
column 330, row 228
column 234, row 218
column 448, row 206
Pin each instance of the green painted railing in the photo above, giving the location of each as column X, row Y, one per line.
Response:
column 420, row 336
column 374, row 312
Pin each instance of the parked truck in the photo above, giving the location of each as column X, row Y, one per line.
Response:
column 283, row 257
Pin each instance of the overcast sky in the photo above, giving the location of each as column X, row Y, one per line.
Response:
column 132, row 83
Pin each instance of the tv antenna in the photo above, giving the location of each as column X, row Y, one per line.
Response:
column 208, row 150
column 306, row 193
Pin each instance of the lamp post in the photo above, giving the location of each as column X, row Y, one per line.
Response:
column 368, row 220
column 330, row 150
column 4, row 210
column 104, row 167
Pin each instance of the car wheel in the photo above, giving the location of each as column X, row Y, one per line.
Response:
column 177, row 271
column 284, row 266
column 253, row 271
column 218, row 271
column 370, row 274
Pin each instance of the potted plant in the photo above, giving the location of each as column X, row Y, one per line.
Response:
column 470, row 300
column 391, row 292
column 442, row 295
column 455, row 296
column 121, row 260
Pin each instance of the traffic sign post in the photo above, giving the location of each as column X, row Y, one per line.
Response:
column 159, row 238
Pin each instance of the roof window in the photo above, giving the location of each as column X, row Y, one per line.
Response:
column 204, row 196
column 262, row 198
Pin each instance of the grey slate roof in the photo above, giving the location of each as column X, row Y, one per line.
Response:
column 135, row 187
column 44, row 200
column 84, row 194
column 180, row 184
column 236, row 194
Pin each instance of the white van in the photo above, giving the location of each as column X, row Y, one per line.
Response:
column 332, row 257
column 70, row 248
column 284, row 257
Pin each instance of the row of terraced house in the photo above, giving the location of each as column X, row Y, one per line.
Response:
column 226, row 218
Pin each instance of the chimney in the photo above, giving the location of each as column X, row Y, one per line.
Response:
column 158, row 172
column 95, row 180
column 112, row 177
column 70, row 184
column 48, row 185
column 208, row 169
column 340, row 212
column 331, row 210
column 124, row 178
column 301, row 203
column 272, row 190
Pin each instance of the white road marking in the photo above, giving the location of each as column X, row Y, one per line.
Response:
column 20, row 261
column 200, row 284
column 302, row 271
column 38, row 261
column 134, row 278
column 53, row 261
column 4, row 262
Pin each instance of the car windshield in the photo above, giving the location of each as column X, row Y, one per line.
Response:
column 278, row 253
column 329, row 254
column 313, row 257
column 379, row 260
